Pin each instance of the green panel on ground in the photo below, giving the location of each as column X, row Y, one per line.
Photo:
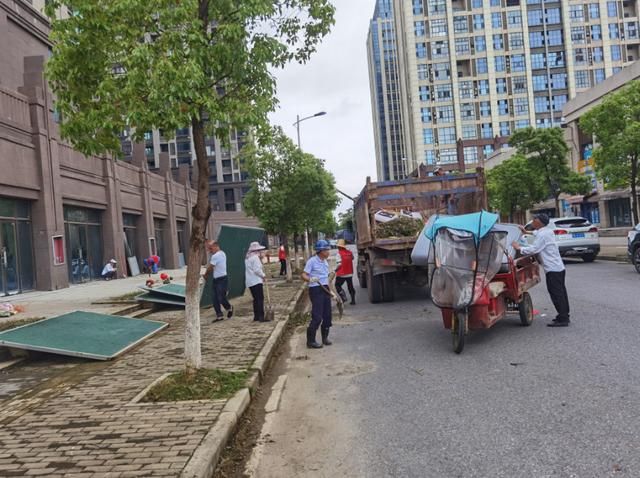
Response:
column 82, row 334
column 161, row 299
column 234, row 241
column 174, row 294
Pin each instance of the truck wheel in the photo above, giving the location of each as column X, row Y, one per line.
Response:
column 388, row 287
column 636, row 259
column 374, row 286
column 589, row 257
column 362, row 279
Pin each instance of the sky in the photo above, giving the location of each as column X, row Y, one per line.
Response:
column 335, row 80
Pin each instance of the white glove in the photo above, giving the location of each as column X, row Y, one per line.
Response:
column 313, row 280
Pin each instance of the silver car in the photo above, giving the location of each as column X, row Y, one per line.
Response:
column 576, row 237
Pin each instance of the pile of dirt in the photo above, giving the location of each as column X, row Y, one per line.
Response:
column 399, row 227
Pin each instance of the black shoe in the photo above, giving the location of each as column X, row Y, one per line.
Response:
column 219, row 318
column 311, row 340
column 559, row 323
column 325, row 337
column 230, row 313
column 353, row 301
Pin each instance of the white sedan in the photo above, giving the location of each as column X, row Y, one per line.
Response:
column 576, row 237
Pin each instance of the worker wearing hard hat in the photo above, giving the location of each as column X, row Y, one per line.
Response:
column 316, row 273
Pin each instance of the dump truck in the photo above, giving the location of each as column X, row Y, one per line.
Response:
column 384, row 248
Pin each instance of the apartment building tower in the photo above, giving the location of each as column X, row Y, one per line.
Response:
column 471, row 72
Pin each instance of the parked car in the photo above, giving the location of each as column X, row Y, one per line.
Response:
column 333, row 243
column 576, row 237
column 633, row 241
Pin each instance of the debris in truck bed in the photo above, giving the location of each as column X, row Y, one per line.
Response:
column 399, row 227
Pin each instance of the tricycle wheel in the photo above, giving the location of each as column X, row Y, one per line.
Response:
column 459, row 329
column 525, row 308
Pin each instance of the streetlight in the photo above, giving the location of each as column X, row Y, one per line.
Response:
column 297, row 125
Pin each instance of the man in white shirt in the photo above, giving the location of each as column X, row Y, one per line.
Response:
column 546, row 247
column 110, row 269
column 218, row 267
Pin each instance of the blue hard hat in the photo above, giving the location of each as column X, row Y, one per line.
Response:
column 322, row 245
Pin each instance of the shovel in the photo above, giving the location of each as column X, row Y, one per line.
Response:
column 333, row 293
column 269, row 310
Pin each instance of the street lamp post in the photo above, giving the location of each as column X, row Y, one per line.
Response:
column 297, row 125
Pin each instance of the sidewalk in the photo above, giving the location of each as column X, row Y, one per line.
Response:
column 89, row 426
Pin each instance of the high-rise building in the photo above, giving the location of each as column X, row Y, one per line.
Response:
column 385, row 94
column 228, row 184
column 474, row 71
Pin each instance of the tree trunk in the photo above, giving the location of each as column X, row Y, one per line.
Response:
column 634, row 191
column 295, row 252
column 557, row 201
column 200, row 214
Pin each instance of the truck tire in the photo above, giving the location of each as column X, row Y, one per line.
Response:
column 362, row 279
column 388, row 287
column 374, row 285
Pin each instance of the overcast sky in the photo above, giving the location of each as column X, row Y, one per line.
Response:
column 335, row 80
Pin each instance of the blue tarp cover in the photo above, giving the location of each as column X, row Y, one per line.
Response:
column 477, row 223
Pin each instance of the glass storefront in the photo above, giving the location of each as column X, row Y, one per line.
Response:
column 159, row 228
column 16, row 247
column 620, row 212
column 84, row 243
column 182, row 242
column 130, row 222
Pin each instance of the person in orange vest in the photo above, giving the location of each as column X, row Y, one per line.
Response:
column 282, row 255
column 344, row 273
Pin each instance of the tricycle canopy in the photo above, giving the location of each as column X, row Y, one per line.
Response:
column 478, row 224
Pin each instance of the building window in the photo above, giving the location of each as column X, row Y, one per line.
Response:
column 483, row 87
column 500, row 63
column 430, row 156
column 443, row 92
column 478, row 21
column 476, row 3
column 446, row 135
column 498, row 42
column 598, row 56
column 534, row 17
column 519, row 84
column 559, row 101
column 556, row 59
column 521, row 124
column 579, row 56
column 487, row 150
column 442, row 71
column 426, row 115
column 554, row 37
column 537, row 61
column 469, row 131
column 577, row 35
column 423, row 91
column 437, row 7
column 631, row 30
column 582, row 79
column 553, row 16
column 448, row 156
column 539, row 82
column 438, row 28
column 598, row 75
column 480, row 44
column 421, row 50
column 516, row 40
column 517, row 63
column 229, row 200
column 503, row 107
column 427, row 136
column 596, row 32
column 481, row 66
column 423, row 72
column 559, row 81
column 462, row 46
column 445, row 114
column 466, row 89
column 614, row 31
column 594, row 11
column 543, row 123
column 440, row 49
column 521, row 106
column 504, row 128
column 417, row 7
column 541, row 104
column 495, row 3
column 514, row 19
column 496, row 20
column 486, row 131
column 468, row 111
column 612, row 9
column 616, row 55
column 470, row 155
column 501, row 86
column 460, row 24
column 485, row 108
column 576, row 13
column 419, row 29
column 536, row 39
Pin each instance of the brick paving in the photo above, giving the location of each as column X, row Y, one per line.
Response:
column 90, row 428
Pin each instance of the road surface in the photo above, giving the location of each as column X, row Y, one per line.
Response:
column 391, row 399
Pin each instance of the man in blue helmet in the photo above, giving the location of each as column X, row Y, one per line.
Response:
column 316, row 273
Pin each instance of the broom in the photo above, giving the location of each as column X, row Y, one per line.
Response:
column 269, row 310
column 333, row 293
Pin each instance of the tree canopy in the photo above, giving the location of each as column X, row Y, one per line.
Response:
column 345, row 220
column 615, row 124
column 546, row 152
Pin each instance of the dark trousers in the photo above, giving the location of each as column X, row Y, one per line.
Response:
column 349, row 281
column 109, row 275
column 320, row 308
column 257, row 292
column 220, row 286
column 283, row 267
column 558, row 293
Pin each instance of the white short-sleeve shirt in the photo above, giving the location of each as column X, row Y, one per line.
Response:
column 219, row 263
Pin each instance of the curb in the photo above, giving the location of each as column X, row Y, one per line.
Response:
column 623, row 259
column 204, row 460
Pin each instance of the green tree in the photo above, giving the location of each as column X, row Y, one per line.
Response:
column 615, row 125
column 546, row 151
column 207, row 64
column 514, row 185
column 345, row 219
column 289, row 190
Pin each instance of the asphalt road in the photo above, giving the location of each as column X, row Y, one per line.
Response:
column 390, row 398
